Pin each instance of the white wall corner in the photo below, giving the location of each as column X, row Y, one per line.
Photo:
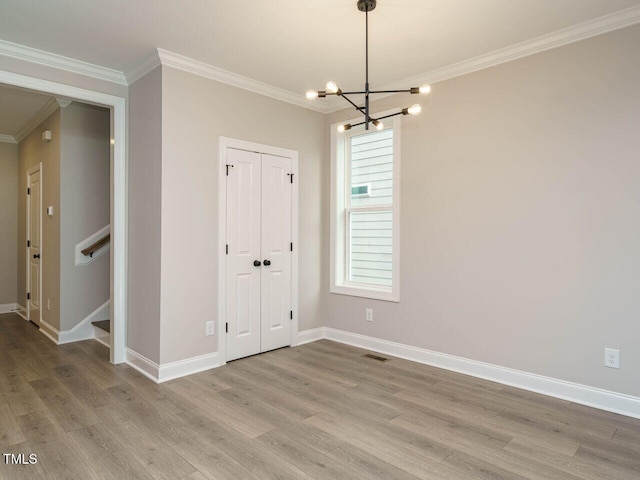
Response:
column 84, row 330
column 585, row 395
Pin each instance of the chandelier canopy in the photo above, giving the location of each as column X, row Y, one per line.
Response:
column 332, row 88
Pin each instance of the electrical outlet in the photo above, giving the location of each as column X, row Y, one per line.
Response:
column 369, row 314
column 209, row 328
column 611, row 358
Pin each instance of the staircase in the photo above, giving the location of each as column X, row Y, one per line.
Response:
column 103, row 332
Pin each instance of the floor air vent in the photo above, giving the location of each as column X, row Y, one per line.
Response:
column 375, row 357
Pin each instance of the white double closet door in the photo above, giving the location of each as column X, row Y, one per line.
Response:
column 259, row 235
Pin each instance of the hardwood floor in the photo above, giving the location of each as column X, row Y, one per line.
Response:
column 319, row 411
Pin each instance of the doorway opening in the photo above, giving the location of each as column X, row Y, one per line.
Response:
column 117, row 186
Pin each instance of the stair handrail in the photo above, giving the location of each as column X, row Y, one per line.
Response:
column 91, row 249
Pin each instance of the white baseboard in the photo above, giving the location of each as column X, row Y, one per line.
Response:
column 84, row 330
column 308, row 336
column 102, row 337
column 594, row 397
column 22, row 311
column 49, row 331
column 142, row 364
column 8, row 308
column 182, row 368
column 169, row 371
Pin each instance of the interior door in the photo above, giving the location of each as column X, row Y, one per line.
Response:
column 276, row 252
column 244, row 187
column 34, row 215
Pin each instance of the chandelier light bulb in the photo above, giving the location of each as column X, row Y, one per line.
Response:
column 312, row 94
column 378, row 124
column 424, row 89
column 332, row 87
column 415, row 109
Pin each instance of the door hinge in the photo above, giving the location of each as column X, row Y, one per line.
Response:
column 290, row 314
column 290, row 177
column 28, row 296
column 226, row 328
column 227, row 249
column 228, row 169
column 28, row 191
column 28, row 243
column 291, row 246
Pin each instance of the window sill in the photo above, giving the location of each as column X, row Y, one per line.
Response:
column 373, row 293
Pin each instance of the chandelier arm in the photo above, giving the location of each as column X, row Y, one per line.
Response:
column 391, row 115
column 371, row 119
column 391, row 91
column 355, row 106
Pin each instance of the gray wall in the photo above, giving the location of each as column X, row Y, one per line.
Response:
column 8, row 223
column 520, row 207
column 144, row 197
column 33, row 150
column 84, row 208
column 195, row 112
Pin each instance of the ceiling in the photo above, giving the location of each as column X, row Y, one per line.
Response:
column 17, row 107
column 292, row 44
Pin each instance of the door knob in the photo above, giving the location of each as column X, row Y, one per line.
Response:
column 267, row 263
column 256, row 263
column 36, row 256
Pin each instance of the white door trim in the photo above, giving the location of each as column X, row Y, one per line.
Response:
column 226, row 143
column 31, row 171
column 117, row 105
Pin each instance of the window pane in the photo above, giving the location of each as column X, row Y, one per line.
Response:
column 370, row 247
column 372, row 168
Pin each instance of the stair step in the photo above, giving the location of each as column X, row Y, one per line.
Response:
column 103, row 325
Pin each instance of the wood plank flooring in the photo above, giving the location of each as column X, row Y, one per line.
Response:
column 319, row 411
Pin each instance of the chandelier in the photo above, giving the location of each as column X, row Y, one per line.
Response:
column 332, row 88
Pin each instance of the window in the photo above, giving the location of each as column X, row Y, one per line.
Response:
column 365, row 220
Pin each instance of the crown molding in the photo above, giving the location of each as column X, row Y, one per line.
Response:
column 180, row 62
column 559, row 38
column 41, row 115
column 63, row 102
column 40, row 57
column 145, row 67
column 7, row 139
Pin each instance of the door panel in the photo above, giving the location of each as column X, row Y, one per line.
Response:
column 34, row 212
column 276, row 242
column 243, row 238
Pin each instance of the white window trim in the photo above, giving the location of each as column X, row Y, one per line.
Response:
column 338, row 229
